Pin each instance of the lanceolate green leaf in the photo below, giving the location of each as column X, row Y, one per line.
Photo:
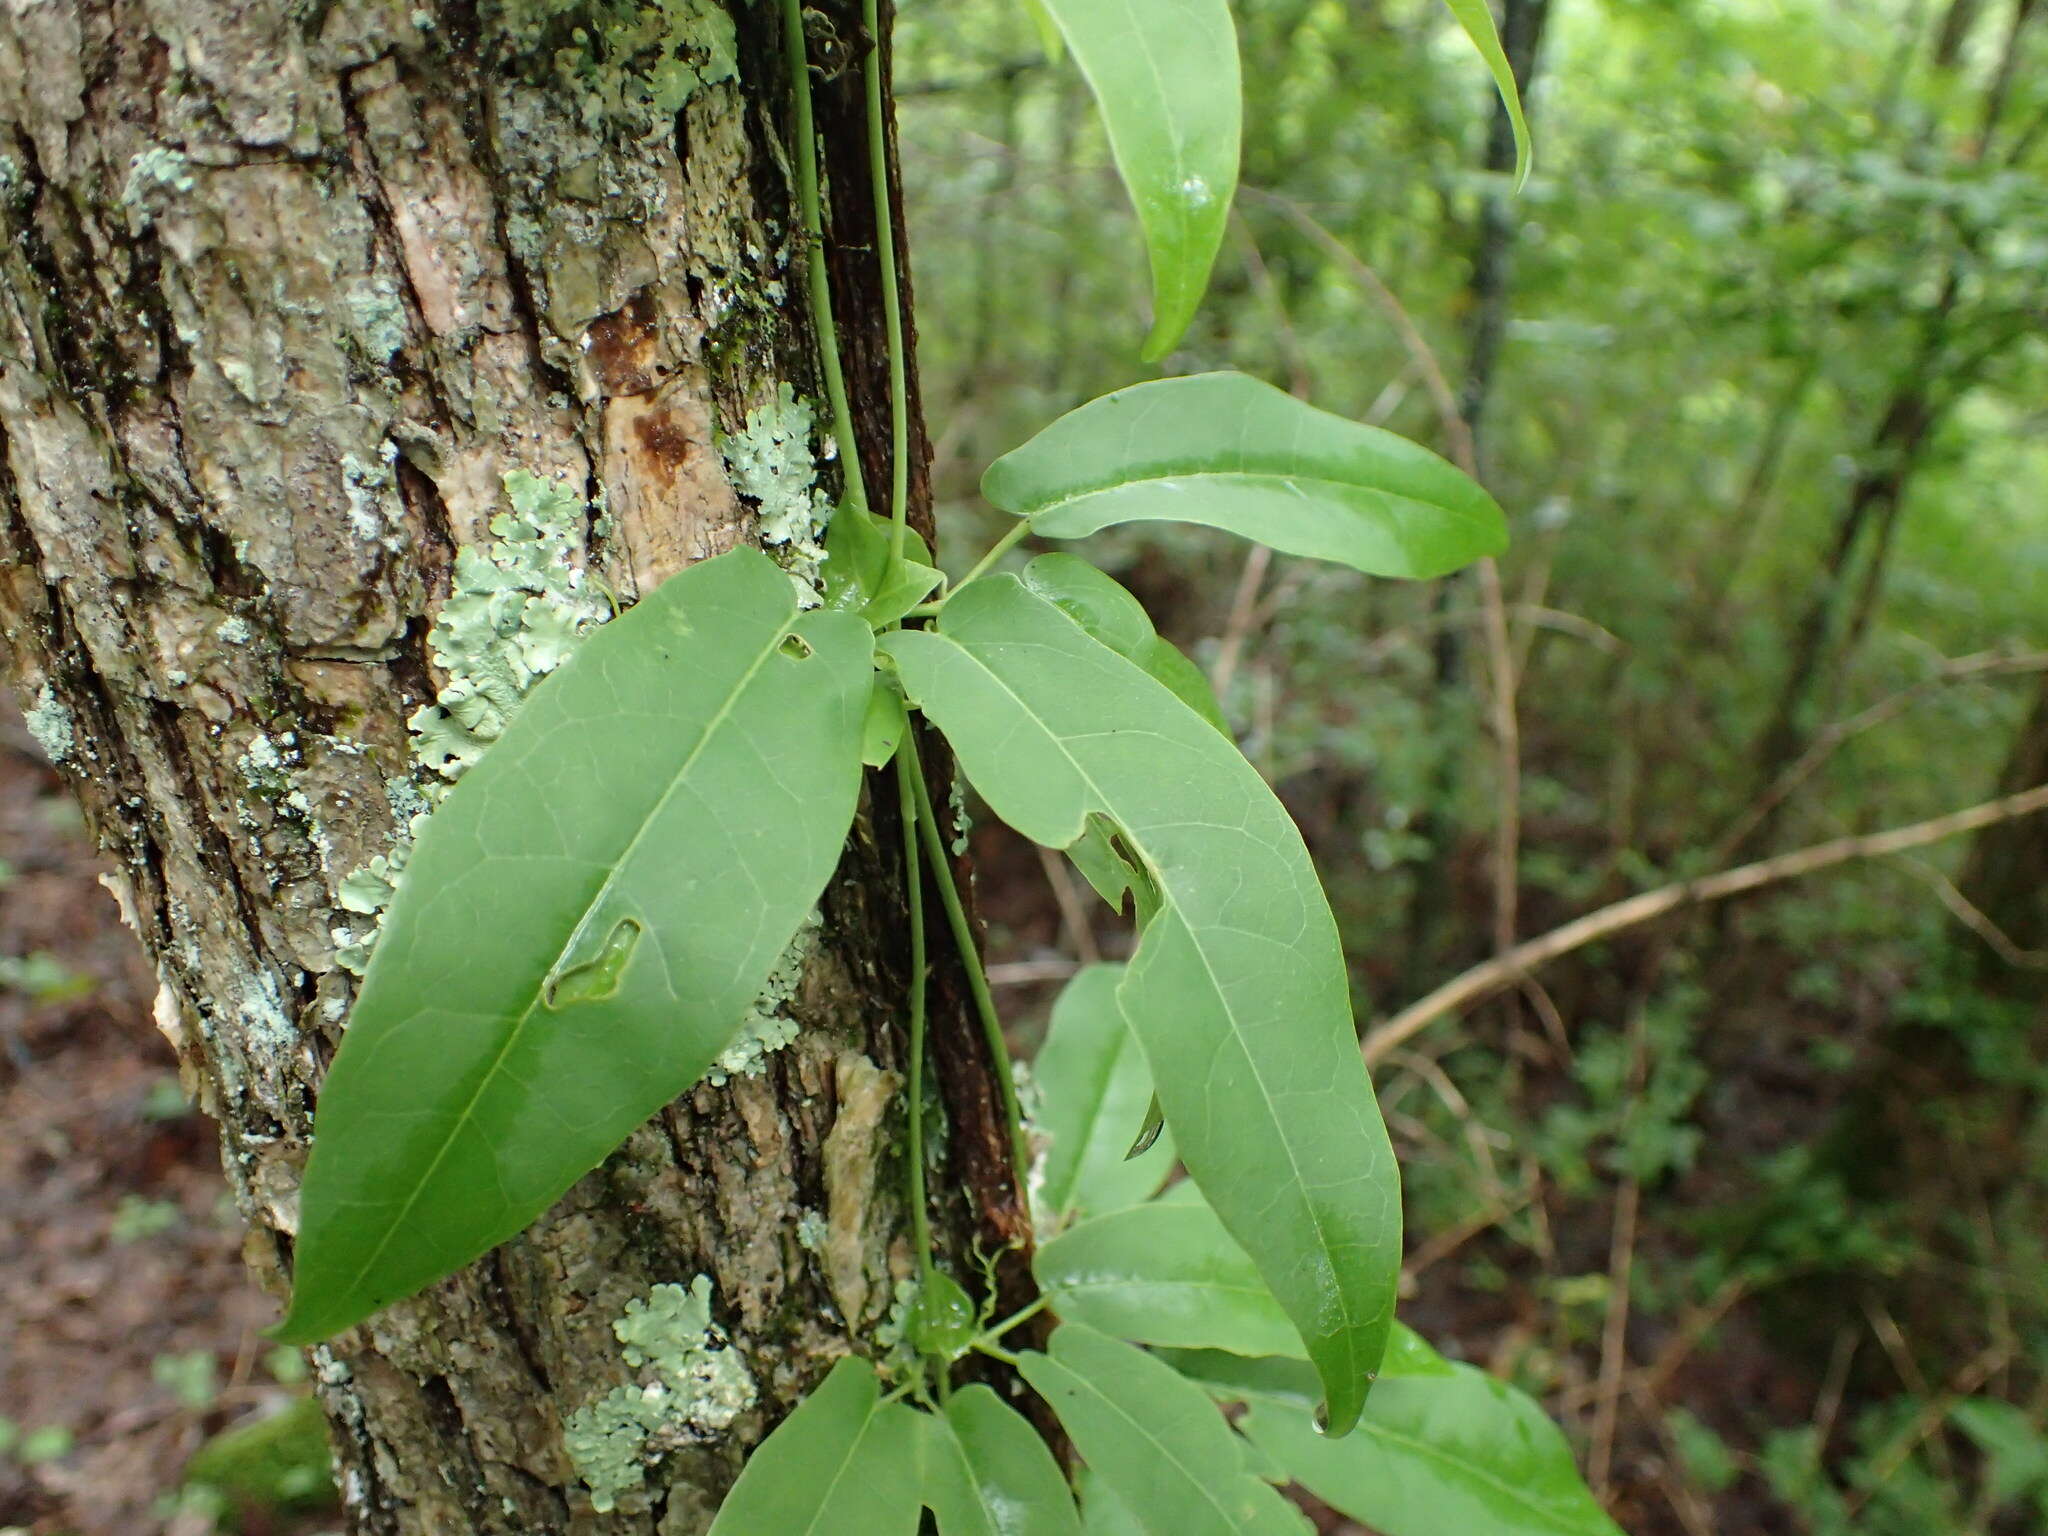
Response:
column 1165, row 75
column 571, row 948
column 1095, row 1088
column 1229, row 452
column 1238, row 991
column 985, row 1472
column 1156, row 1440
column 844, row 1464
column 1442, row 1447
column 1476, row 17
column 1164, row 1273
column 1101, row 606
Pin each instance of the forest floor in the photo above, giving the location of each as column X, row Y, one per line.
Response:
column 132, row 1331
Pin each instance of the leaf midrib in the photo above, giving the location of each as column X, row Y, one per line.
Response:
column 1166, row 1451
column 1068, row 498
column 1168, row 903
column 518, row 1031
column 1428, row 1451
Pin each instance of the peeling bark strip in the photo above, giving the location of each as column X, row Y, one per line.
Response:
column 286, row 294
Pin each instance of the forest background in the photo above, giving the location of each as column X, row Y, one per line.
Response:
column 1752, row 1195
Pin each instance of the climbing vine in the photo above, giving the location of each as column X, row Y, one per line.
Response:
column 588, row 921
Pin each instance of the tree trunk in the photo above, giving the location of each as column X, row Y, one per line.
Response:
column 286, row 292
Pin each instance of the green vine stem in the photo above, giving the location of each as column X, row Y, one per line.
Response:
column 1000, row 548
column 970, row 955
column 912, row 805
column 814, row 252
column 892, row 302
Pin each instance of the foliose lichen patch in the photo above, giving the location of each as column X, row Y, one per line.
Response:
column 773, row 461
column 50, row 723
column 517, row 607
column 693, row 1385
column 768, row 1027
column 629, row 64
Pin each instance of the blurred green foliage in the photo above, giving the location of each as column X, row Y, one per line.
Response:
column 1766, row 414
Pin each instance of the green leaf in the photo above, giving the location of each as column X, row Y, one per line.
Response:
column 844, row 1464
column 570, row 949
column 1048, row 30
column 985, row 1472
column 2015, row 1450
column 1442, row 1447
column 1238, row 992
column 1226, row 451
column 1100, row 605
column 1165, row 1273
column 1102, row 1512
column 1095, row 1086
column 1165, row 76
column 1155, row 1439
column 859, row 576
column 882, row 729
column 1476, row 17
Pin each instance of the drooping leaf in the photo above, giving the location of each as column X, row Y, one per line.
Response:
column 1164, row 1273
column 1100, row 605
column 1094, row 1085
column 1442, row 1446
column 844, row 1464
column 1238, row 992
column 985, row 1472
column 1165, row 76
column 859, row 576
column 1476, row 17
column 582, row 927
column 1155, row 1439
column 1229, row 452
column 882, row 729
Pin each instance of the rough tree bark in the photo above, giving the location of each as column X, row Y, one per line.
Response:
column 286, row 292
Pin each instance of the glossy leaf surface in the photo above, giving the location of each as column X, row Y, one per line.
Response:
column 844, row 1464
column 1155, row 1439
column 1094, row 1087
column 985, row 1471
column 1164, row 1273
column 1442, row 1447
column 1238, row 992
column 1476, row 17
column 1165, row 76
column 570, row 950
column 1229, row 452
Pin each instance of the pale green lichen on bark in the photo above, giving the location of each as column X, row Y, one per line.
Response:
column 628, row 64
column 517, row 606
column 773, row 460
column 768, row 1027
column 50, row 723
column 697, row 1386
column 516, row 609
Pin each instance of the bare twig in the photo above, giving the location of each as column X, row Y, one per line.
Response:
column 1973, row 917
column 1504, row 970
column 1831, row 740
column 1073, row 910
